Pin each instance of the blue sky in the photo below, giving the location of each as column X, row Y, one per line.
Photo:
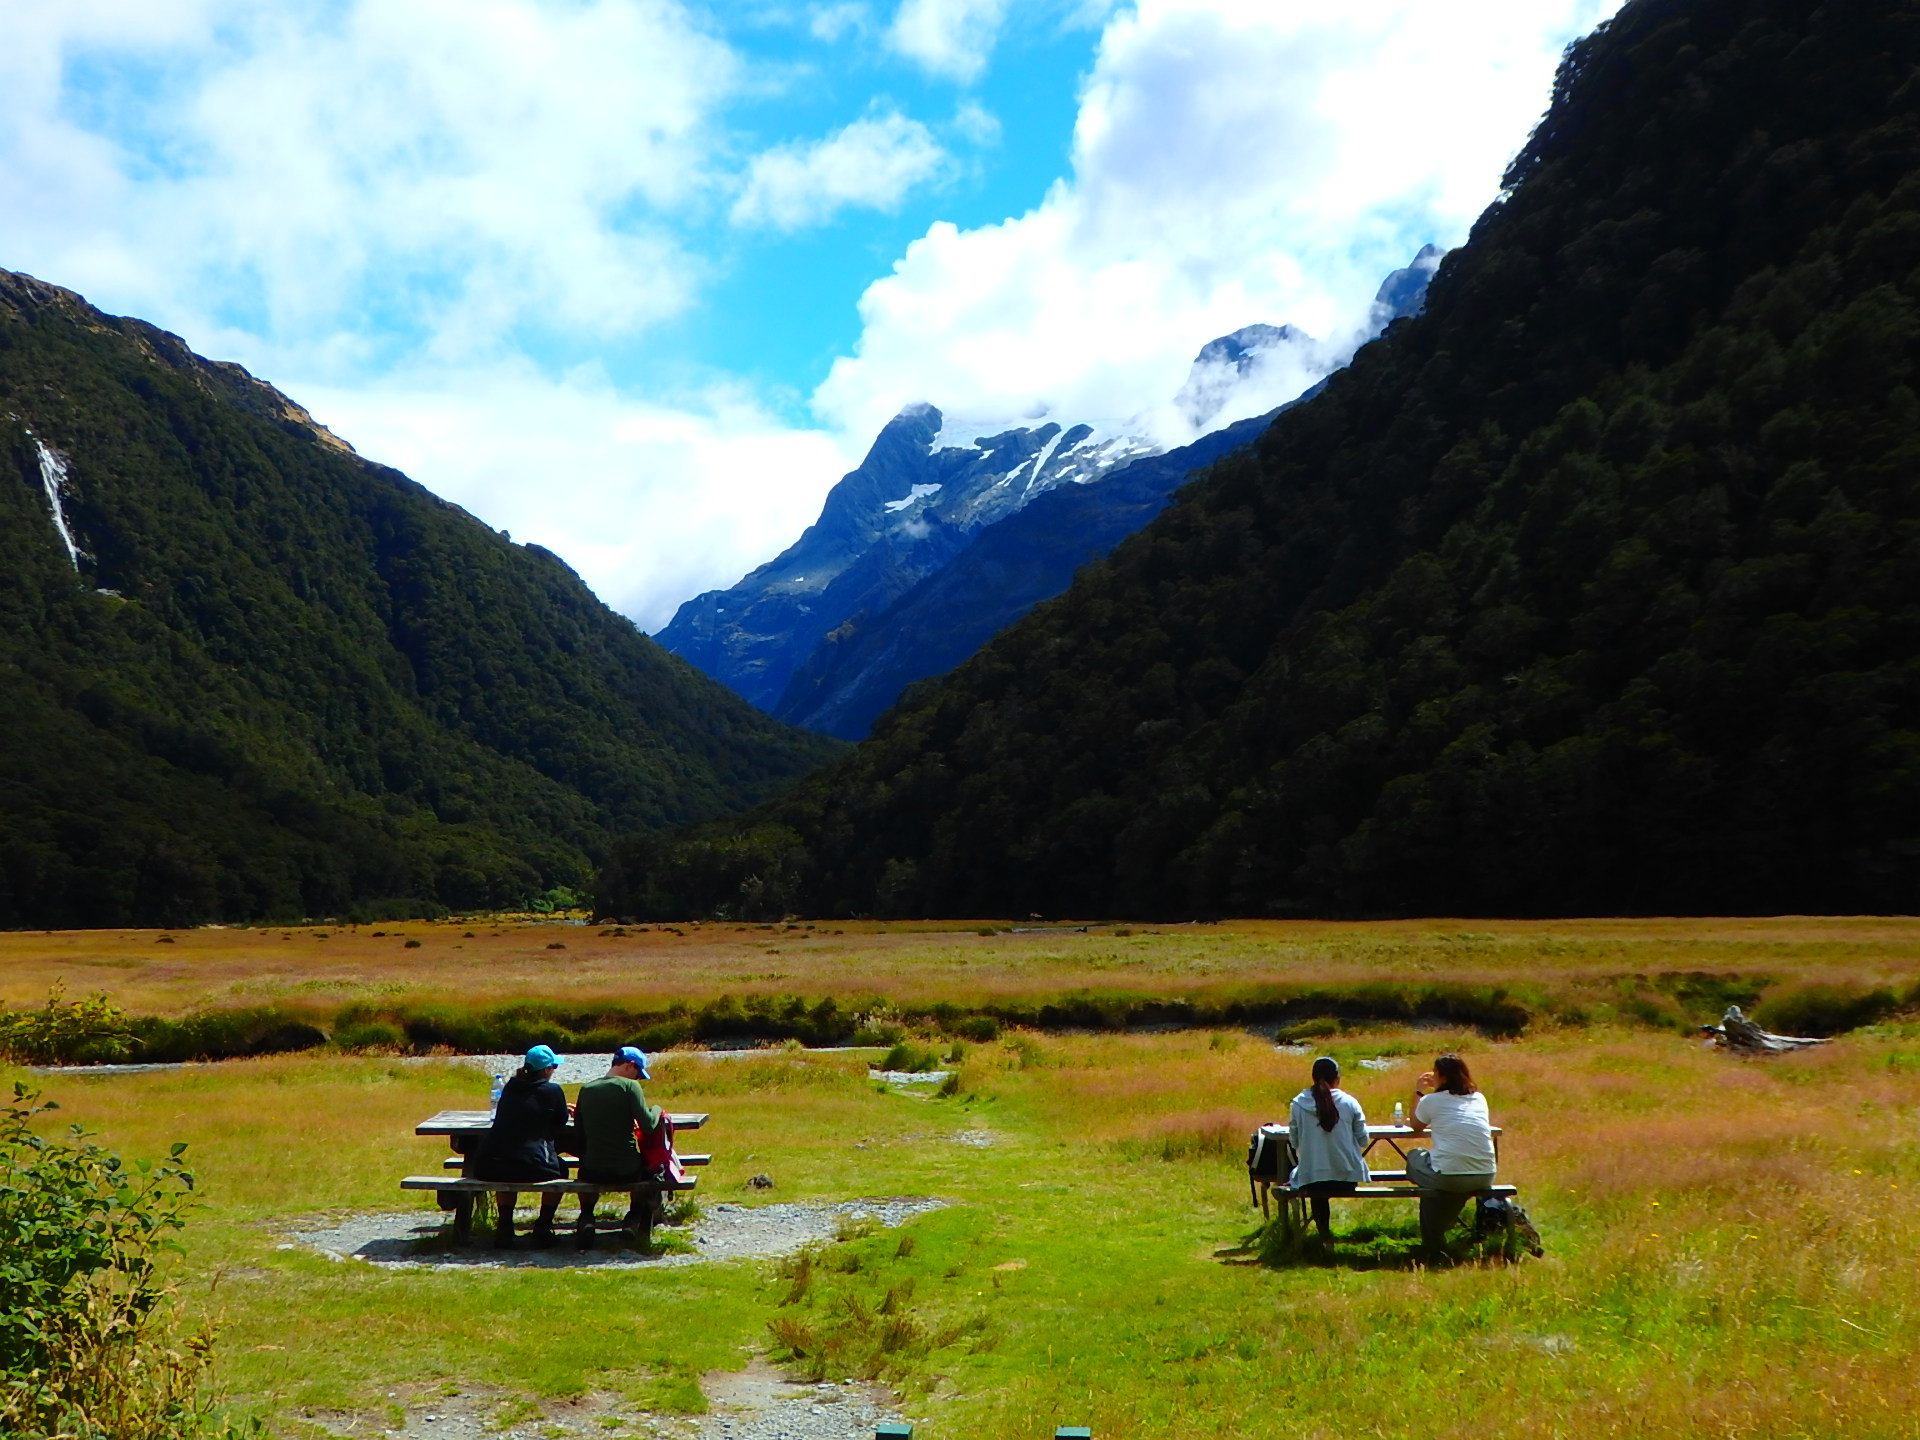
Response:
column 639, row 279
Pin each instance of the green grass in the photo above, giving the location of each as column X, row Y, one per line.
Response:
column 1726, row 1239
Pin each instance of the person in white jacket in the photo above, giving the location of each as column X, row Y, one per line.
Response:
column 1328, row 1131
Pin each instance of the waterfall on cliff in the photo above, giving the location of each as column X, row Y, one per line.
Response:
column 53, row 475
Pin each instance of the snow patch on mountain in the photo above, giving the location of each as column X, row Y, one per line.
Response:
column 919, row 492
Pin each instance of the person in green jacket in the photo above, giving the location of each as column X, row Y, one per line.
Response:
column 604, row 1117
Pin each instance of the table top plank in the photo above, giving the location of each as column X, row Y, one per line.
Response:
column 468, row 1122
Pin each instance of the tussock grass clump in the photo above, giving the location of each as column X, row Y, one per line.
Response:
column 866, row 1322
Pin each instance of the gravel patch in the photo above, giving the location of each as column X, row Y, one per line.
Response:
column 757, row 1403
column 416, row 1240
column 910, row 1077
column 1384, row 1062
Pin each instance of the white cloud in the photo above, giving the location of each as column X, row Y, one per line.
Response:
column 830, row 22
column 974, row 122
column 873, row 162
column 650, row 503
column 1232, row 163
column 948, row 37
column 455, row 168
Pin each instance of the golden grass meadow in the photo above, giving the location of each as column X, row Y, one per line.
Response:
column 1731, row 1243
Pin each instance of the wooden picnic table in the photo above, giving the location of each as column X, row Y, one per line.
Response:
column 465, row 1128
column 1385, row 1184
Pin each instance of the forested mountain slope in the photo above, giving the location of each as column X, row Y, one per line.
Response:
column 1596, row 587
column 246, row 673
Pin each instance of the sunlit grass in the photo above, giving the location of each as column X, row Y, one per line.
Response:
column 318, row 970
column 1729, row 1242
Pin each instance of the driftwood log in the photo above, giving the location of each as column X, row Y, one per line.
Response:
column 1743, row 1037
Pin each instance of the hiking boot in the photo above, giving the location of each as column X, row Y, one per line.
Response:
column 542, row 1237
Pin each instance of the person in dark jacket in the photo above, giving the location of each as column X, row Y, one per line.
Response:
column 524, row 1143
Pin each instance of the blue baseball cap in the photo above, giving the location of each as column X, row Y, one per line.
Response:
column 541, row 1057
column 633, row 1055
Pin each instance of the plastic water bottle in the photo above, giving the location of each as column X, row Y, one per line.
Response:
column 1399, row 1113
column 493, row 1101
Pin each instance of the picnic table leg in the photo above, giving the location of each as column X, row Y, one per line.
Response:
column 462, row 1217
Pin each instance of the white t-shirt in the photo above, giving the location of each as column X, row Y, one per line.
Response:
column 1462, row 1132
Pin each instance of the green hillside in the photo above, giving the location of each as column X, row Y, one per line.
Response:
column 316, row 686
column 1595, row 588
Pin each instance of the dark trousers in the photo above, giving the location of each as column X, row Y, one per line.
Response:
column 589, row 1201
column 1318, row 1193
column 549, row 1205
column 1442, row 1197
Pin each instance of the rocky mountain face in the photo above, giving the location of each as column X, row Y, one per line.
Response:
column 247, row 674
column 1592, row 589
column 913, row 565
column 857, row 670
column 924, row 489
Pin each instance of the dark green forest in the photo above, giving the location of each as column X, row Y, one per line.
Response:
column 287, row 682
column 1593, row 588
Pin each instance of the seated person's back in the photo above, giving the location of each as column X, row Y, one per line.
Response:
column 604, row 1117
column 529, row 1124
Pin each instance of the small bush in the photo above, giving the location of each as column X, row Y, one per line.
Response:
column 90, row 1346
column 1823, row 1009
column 981, row 1029
column 914, row 1059
column 65, row 1030
column 373, row 1036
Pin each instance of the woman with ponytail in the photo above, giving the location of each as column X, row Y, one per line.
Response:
column 1328, row 1130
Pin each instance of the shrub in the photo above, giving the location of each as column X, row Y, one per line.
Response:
column 89, row 1341
column 64, row 1030
column 906, row 1056
column 370, row 1035
column 1822, row 1009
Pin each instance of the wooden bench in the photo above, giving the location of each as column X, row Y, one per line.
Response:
column 458, row 1162
column 463, row 1191
column 1294, row 1207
